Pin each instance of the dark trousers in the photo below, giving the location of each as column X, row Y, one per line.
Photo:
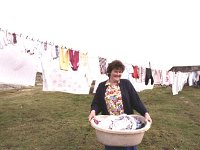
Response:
column 148, row 76
column 147, row 80
column 120, row 148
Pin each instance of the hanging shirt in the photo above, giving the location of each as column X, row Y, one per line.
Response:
column 102, row 64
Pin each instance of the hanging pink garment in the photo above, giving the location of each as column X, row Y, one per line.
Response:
column 74, row 59
column 157, row 76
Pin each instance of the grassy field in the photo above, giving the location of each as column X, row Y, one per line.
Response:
column 31, row 119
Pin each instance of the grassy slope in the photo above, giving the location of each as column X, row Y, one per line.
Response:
column 33, row 119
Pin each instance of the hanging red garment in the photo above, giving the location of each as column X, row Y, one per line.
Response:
column 135, row 73
column 74, row 59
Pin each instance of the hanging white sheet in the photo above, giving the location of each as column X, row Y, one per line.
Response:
column 17, row 68
column 70, row 81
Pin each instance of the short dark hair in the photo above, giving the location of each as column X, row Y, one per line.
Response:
column 115, row 64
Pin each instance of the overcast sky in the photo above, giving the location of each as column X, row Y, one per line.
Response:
column 163, row 32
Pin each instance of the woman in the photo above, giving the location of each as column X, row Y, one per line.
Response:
column 117, row 96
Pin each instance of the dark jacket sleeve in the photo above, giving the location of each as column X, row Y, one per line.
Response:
column 98, row 102
column 131, row 98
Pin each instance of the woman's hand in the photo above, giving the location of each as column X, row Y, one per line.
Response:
column 92, row 115
column 148, row 117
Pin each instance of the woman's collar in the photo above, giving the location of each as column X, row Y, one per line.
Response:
column 109, row 83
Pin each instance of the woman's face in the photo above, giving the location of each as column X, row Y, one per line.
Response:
column 115, row 75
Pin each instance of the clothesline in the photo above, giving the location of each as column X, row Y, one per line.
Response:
column 28, row 37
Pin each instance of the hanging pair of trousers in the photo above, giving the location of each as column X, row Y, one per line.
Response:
column 120, row 148
column 148, row 76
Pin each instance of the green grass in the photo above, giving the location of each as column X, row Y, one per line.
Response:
column 31, row 119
